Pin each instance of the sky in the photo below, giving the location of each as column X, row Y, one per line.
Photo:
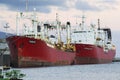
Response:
column 108, row 11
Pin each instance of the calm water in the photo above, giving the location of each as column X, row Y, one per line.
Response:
column 76, row 72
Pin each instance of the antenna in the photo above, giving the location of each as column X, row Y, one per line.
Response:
column 26, row 5
column 83, row 27
column 58, row 28
column 83, row 19
column 57, row 17
column 98, row 24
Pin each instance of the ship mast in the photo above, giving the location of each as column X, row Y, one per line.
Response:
column 83, row 22
column 35, row 22
column 19, row 17
column 98, row 24
column 18, row 22
column 58, row 28
column 26, row 5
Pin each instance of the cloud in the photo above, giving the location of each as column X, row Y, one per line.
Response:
column 44, row 5
column 109, row 1
column 96, row 5
column 41, row 5
column 86, row 6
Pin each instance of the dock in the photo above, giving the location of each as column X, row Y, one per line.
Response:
column 116, row 60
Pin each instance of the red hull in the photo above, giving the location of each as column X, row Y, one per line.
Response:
column 92, row 54
column 30, row 52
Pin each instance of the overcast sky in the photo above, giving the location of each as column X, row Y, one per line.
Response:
column 107, row 10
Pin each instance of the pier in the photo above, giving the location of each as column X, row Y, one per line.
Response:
column 116, row 60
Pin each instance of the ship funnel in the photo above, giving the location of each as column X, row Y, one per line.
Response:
column 68, row 23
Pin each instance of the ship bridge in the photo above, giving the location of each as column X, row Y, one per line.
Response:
column 86, row 37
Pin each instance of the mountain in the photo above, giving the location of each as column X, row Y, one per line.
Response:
column 4, row 35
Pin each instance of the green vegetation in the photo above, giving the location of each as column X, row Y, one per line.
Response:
column 14, row 74
column 11, row 75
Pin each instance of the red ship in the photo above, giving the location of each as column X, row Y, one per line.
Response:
column 30, row 52
column 38, row 47
column 93, row 45
column 92, row 54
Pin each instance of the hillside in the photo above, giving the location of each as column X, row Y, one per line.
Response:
column 3, row 35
